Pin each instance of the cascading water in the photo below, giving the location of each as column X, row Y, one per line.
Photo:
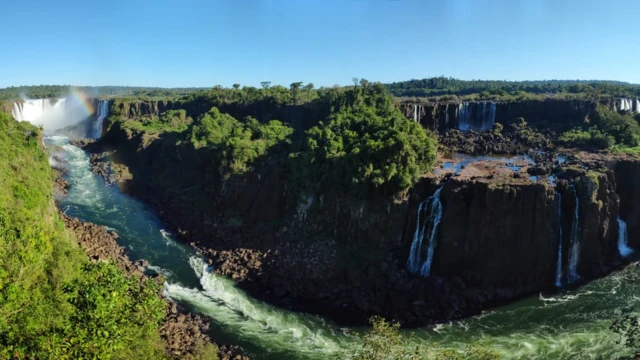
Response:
column 478, row 116
column 464, row 117
column 623, row 240
column 574, row 251
column 415, row 113
column 103, row 111
column 559, row 266
column 431, row 211
column 52, row 114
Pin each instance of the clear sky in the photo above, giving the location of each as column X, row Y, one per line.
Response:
column 327, row 42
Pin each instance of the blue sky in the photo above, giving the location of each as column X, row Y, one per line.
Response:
column 327, row 42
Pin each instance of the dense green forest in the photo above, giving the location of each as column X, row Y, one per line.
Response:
column 298, row 92
column 54, row 303
column 49, row 91
column 357, row 132
column 439, row 86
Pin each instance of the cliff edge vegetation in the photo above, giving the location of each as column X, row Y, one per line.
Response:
column 54, row 303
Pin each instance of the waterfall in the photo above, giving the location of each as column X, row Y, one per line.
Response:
column 574, row 251
column 559, row 267
column 446, row 116
column 623, row 240
column 464, row 116
column 51, row 114
column 431, row 211
column 476, row 116
column 103, row 111
column 415, row 113
column 624, row 104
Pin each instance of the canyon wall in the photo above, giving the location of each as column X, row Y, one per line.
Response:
column 346, row 258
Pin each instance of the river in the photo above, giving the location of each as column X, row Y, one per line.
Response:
column 567, row 325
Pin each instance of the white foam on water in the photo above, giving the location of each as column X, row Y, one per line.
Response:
column 253, row 320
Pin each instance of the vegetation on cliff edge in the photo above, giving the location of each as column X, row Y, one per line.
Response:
column 54, row 304
column 605, row 129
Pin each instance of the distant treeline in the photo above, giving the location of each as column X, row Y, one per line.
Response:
column 49, row 91
column 432, row 87
column 440, row 86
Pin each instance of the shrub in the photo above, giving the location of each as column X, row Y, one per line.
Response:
column 366, row 146
column 623, row 128
column 237, row 145
column 593, row 138
column 384, row 342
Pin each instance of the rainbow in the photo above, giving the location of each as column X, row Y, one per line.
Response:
column 87, row 103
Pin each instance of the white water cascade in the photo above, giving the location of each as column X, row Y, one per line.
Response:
column 626, row 104
column 415, row 113
column 478, row 116
column 52, row 114
column 431, row 211
column 103, row 111
column 574, row 251
column 559, row 267
column 623, row 239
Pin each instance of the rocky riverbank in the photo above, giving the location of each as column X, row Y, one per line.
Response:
column 184, row 333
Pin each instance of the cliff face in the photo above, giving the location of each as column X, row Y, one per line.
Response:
column 560, row 114
column 141, row 108
column 347, row 258
column 627, row 173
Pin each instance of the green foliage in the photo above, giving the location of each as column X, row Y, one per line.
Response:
column 384, row 342
column 237, row 144
column 50, row 91
column 609, row 128
column 171, row 121
column 53, row 304
column 627, row 326
column 488, row 89
column 365, row 146
column 115, row 312
column 592, row 138
column 623, row 128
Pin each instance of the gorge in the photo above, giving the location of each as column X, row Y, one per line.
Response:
column 481, row 232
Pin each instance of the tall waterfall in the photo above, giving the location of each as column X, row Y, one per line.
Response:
column 623, row 240
column 574, row 252
column 52, row 114
column 479, row 116
column 415, row 112
column 559, row 266
column 103, row 111
column 625, row 104
column 431, row 211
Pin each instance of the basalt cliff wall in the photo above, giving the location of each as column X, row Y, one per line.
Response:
column 347, row 258
column 438, row 116
column 550, row 113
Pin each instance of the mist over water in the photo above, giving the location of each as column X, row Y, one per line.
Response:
column 566, row 325
column 52, row 114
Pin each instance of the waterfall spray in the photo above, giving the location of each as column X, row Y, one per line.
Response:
column 623, row 240
column 103, row 111
column 431, row 211
column 559, row 266
column 574, row 251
